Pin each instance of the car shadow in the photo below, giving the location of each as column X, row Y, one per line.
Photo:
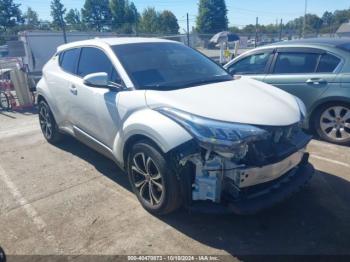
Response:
column 103, row 164
column 313, row 221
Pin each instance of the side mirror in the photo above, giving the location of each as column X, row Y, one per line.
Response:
column 231, row 71
column 96, row 80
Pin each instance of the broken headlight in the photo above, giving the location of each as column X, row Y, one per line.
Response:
column 219, row 136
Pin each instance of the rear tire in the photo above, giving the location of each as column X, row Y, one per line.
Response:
column 332, row 123
column 48, row 124
column 151, row 179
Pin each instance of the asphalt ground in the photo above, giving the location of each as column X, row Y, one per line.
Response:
column 70, row 200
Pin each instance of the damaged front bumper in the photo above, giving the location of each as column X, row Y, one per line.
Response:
column 253, row 184
column 261, row 196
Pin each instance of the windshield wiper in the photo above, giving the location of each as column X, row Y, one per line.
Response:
column 207, row 81
column 179, row 85
column 160, row 87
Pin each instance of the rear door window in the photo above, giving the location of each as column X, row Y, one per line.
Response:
column 93, row 60
column 68, row 60
column 328, row 63
column 295, row 63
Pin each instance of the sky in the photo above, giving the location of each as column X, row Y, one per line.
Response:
column 240, row 12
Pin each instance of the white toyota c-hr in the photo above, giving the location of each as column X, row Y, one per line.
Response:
column 178, row 123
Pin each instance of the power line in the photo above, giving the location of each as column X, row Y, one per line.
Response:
column 304, row 22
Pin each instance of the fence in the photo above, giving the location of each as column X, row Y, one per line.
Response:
column 41, row 45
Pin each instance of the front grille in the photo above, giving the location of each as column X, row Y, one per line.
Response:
column 282, row 142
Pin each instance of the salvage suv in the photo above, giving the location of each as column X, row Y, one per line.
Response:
column 177, row 123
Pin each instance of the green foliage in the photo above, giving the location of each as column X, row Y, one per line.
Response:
column 73, row 20
column 31, row 19
column 327, row 18
column 149, row 22
column 328, row 23
column 10, row 15
column 168, row 23
column 57, row 13
column 153, row 22
column 341, row 16
column 212, row 16
column 314, row 23
column 96, row 15
column 44, row 25
column 124, row 16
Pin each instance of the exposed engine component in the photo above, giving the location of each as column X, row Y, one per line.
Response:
column 258, row 162
column 212, row 170
column 208, row 181
column 209, row 174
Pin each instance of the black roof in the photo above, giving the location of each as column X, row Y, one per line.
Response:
column 318, row 41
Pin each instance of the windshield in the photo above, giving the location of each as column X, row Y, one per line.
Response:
column 168, row 66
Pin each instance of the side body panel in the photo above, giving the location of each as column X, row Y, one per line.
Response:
column 297, row 84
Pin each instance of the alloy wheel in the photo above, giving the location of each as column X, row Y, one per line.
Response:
column 147, row 179
column 45, row 121
column 335, row 123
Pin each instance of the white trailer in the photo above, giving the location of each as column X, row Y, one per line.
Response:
column 40, row 46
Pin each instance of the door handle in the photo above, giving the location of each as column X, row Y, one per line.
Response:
column 73, row 89
column 316, row 81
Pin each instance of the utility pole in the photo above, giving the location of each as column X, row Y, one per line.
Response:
column 304, row 23
column 135, row 22
column 281, row 28
column 63, row 26
column 188, row 31
column 256, row 31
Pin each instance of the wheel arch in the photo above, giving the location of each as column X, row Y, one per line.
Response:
column 151, row 125
column 41, row 98
column 135, row 139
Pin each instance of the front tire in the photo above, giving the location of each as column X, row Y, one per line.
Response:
column 151, row 179
column 332, row 123
column 48, row 124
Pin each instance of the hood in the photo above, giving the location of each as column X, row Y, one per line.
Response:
column 241, row 101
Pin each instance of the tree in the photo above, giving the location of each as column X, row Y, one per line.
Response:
column 149, row 21
column 57, row 13
column 234, row 29
column 44, row 25
column 124, row 16
column 314, row 23
column 341, row 16
column 132, row 16
column 31, row 19
column 96, row 14
column 10, row 14
column 249, row 29
column 295, row 26
column 212, row 16
column 73, row 20
column 328, row 20
column 168, row 23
